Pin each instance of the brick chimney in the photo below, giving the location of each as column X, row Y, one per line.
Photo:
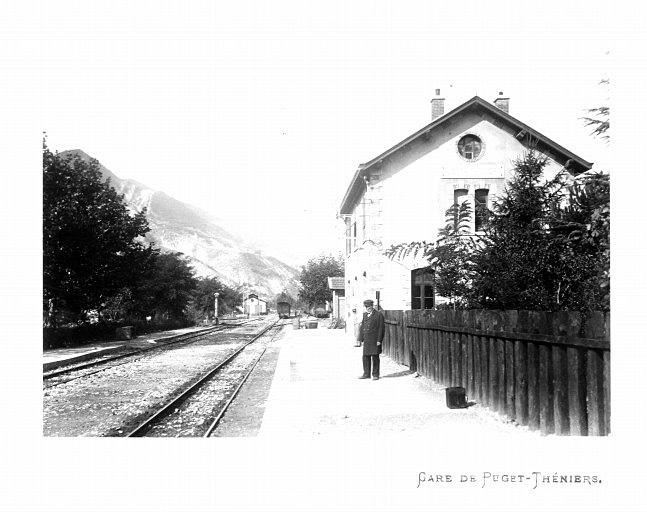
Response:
column 502, row 103
column 437, row 106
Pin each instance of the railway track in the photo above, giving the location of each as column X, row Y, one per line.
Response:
column 102, row 363
column 112, row 399
column 197, row 410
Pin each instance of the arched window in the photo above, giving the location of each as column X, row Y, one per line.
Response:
column 460, row 196
column 422, row 289
column 480, row 208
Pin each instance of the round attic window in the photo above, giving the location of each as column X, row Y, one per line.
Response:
column 470, row 147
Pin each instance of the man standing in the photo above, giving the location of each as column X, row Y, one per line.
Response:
column 371, row 334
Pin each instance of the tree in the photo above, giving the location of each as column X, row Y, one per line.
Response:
column 166, row 289
column 584, row 227
column 544, row 247
column 600, row 122
column 314, row 279
column 92, row 245
column 519, row 265
column 203, row 303
column 450, row 257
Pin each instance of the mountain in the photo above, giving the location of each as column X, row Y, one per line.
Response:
column 213, row 250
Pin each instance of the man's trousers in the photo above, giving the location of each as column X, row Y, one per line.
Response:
column 366, row 361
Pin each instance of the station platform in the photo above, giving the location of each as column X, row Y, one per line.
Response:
column 316, row 392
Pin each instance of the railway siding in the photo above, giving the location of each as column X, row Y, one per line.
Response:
column 110, row 402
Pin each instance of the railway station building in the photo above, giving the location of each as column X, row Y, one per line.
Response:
column 401, row 195
column 253, row 305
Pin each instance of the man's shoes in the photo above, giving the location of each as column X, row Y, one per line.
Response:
column 363, row 377
column 376, row 378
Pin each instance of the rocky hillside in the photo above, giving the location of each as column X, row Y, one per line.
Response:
column 214, row 251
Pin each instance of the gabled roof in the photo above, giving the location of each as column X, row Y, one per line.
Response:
column 569, row 160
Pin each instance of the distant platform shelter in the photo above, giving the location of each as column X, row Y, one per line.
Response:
column 336, row 284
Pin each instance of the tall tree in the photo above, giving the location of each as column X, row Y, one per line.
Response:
column 314, row 279
column 545, row 244
column 450, row 257
column 519, row 265
column 204, row 299
column 583, row 226
column 92, row 244
column 166, row 289
column 600, row 119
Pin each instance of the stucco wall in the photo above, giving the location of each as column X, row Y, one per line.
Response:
column 407, row 198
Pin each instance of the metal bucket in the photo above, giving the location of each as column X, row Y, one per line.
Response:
column 455, row 397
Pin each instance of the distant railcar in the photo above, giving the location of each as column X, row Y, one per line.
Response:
column 283, row 309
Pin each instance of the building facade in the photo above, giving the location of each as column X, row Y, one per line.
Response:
column 402, row 195
column 254, row 306
column 336, row 285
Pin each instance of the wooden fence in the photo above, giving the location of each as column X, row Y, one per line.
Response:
column 550, row 371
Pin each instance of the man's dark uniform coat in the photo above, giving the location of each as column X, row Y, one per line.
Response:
column 371, row 332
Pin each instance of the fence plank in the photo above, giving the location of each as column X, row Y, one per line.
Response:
column 448, row 360
column 470, row 370
column 501, row 369
column 442, row 357
column 425, row 342
column 418, row 349
column 510, row 374
column 478, row 369
column 533, row 387
column 577, row 392
column 510, row 325
column 456, row 360
column 452, row 359
column 468, row 367
column 595, row 392
column 406, row 337
column 521, row 382
column 485, row 369
column 606, row 386
column 493, row 374
column 546, row 408
column 441, row 353
column 560, row 391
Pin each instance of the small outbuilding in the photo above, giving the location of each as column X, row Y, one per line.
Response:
column 254, row 306
column 336, row 284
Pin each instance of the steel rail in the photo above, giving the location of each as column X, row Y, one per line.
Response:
column 179, row 338
column 215, row 422
column 144, row 427
column 187, row 337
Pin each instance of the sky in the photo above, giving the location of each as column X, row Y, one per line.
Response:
column 260, row 112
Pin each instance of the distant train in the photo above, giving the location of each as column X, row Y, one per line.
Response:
column 283, row 309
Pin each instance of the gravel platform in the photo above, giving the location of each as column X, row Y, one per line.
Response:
column 316, row 392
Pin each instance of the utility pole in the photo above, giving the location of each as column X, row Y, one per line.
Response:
column 216, row 295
